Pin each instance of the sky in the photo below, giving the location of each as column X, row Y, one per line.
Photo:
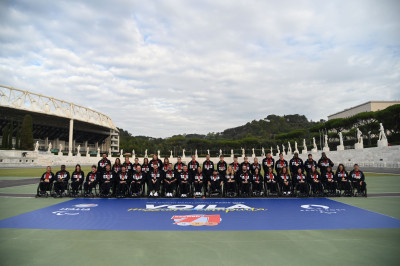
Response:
column 161, row 68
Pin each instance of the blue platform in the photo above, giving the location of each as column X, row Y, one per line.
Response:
column 200, row 214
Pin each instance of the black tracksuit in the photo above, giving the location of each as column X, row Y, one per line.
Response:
column 309, row 164
column 343, row 180
column 356, row 178
column 116, row 169
column 129, row 167
column 146, row 171
column 91, row 181
column 198, row 180
column 106, row 180
column 44, row 186
column 61, row 181
column 329, row 181
column 257, row 181
column 312, row 179
column 247, row 164
column 159, row 163
column 221, row 168
column 245, row 179
column 137, row 181
column 178, row 167
column 169, row 181
column 101, row 165
column 215, row 182
column 192, row 167
column 155, row 178
column 295, row 164
column 236, row 167
column 254, row 166
column 323, row 163
column 279, row 164
column 208, row 169
column 271, row 182
column 230, row 186
column 283, row 178
column 122, row 187
column 77, row 180
column 298, row 180
column 184, row 182
column 268, row 163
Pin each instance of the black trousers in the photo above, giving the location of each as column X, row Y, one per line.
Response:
column 272, row 187
column 105, row 188
column 245, row 187
column 198, row 186
column 169, row 188
column 345, row 185
column 136, row 186
column 215, row 185
column 286, row 187
column 230, row 186
column 184, row 188
column 89, row 187
column 44, row 186
column 330, row 186
column 60, row 187
column 75, row 185
column 257, row 187
column 360, row 188
column 316, row 187
column 302, row 187
column 154, row 186
column 121, row 188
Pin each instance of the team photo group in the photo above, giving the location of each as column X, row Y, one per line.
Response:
column 156, row 178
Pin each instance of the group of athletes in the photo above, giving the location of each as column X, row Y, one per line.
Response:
column 163, row 179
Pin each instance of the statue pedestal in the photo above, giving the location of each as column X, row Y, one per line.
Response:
column 326, row 148
column 359, row 146
column 304, row 152
column 383, row 143
column 314, row 150
column 340, row 148
column 87, row 155
column 296, row 151
column 70, row 154
column 253, row 156
column 60, row 153
column 171, row 157
column 277, row 154
column 78, row 155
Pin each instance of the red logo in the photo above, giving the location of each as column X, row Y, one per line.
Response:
column 197, row 220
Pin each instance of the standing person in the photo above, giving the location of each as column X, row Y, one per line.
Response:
column 245, row 179
column 329, row 181
column 101, row 166
column 46, row 180
column 315, row 179
column 285, row 181
column 61, row 181
column 221, row 167
column 92, row 179
column 169, row 181
column 215, row 182
column 246, row 163
column 157, row 161
column 135, row 164
column 106, row 181
column 77, row 178
column 208, row 169
column 257, row 182
column 165, row 165
column 300, row 182
column 155, row 177
column 116, row 169
column 235, row 165
column 230, row 182
column 184, row 182
column 137, row 182
column 280, row 164
column 178, row 167
column 323, row 163
column 122, row 184
column 296, row 163
column 358, row 180
column 310, row 162
column 343, row 180
column 255, row 166
column 271, row 181
column 128, row 165
column 146, row 171
column 198, row 180
column 268, row 162
column 192, row 166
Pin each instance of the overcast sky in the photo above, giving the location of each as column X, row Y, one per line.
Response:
column 160, row 68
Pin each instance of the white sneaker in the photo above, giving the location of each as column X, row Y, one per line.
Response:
column 169, row 194
column 151, row 194
column 156, row 194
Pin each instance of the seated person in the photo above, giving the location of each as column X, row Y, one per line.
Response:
column 314, row 178
column 300, row 181
column 285, row 181
column 184, row 182
column 358, row 179
column 198, row 180
column 271, row 181
column 230, row 180
column 106, row 180
column 77, row 178
column 215, row 182
column 137, row 181
column 61, row 181
column 155, row 177
column 92, row 179
column 329, row 181
column 245, row 178
column 46, row 180
column 257, row 182
column 123, row 179
column 343, row 179
column 169, row 181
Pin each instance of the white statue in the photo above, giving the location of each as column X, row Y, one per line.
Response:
column 272, row 151
column 78, row 149
column 49, row 148
column 304, row 151
column 171, row 156
column 289, row 148
column 314, row 149
column 133, row 154
column 208, row 152
column 121, row 152
column 360, row 143
column 220, row 152
column 98, row 152
column 87, row 152
column 253, row 155
column 326, row 147
column 283, row 149
column 60, row 149
column 382, row 140
column 243, row 153
column 232, row 155
column 262, row 152
column 109, row 151
column 195, row 154
column 340, row 147
column 183, row 153
column 279, row 151
column 145, row 154
column 37, row 146
column 158, row 154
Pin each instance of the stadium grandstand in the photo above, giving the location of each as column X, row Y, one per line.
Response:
column 64, row 124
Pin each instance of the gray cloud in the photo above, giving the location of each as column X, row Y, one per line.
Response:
column 160, row 68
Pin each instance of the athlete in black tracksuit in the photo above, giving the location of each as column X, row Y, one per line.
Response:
column 257, row 181
column 247, row 164
column 329, row 181
column 46, row 180
column 198, row 180
column 155, row 177
column 309, row 163
column 255, row 165
column 245, row 178
column 280, row 164
column 315, row 179
column 295, row 163
column 92, row 179
column 106, row 180
column 169, row 181
column 285, row 181
column 268, row 162
column 116, row 169
column 77, row 179
column 300, row 182
column 124, row 179
column 230, row 180
column 137, row 182
column 215, row 182
column 184, row 180
column 208, row 167
column 61, row 181
column 221, row 167
column 271, row 181
column 358, row 179
column 101, row 166
column 192, row 166
column 343, row 179
column 128, row 165
column 323, row 163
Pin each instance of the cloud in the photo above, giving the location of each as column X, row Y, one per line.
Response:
column 160, row 68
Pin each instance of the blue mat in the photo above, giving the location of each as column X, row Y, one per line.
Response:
column 200, row 214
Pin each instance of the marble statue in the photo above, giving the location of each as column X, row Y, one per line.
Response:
column 49, row 148
column 37, row 146
column 340, row 147
column 145, row 154
column 243, row 153
column 304, row 151
column 253, row 155
column 158, row 154
column 382, row 140
column 289, row 148
column 360, row 143
column 314, row 149
column 326, row 147
column 262, row 152
column 183, row 153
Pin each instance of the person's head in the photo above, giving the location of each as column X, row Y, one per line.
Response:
column 146, row 160
column 356, row 167
column 281, row 156
column 48, row 169
column 155, row 166
column 138, row 168
column 256, row 171
column 184, row 168
column 215, row 172
column 341, row 167
column 166, row 161
column 230, row 169
column 117, row 161
column 256, row 160
column 299, row 171
column 179, row 159
column 170, row 167
column 78, row 167
column 123, row 169
column 268, row 155
column 221, row 157
column 244, row 168
column 127, row 159
column 313, row 169
column 324, row 155
column 284, row 170
column 310, row 156
column 208, row 156
column 155, row 157
column 104, row 155
column 296, row 155
column 199, row 169
column 235, row 159
column 329, row 169
column 270, row 170
column 246, row 159
column 193, row 158
column 136, row 160
column 94, row 168
column 63, row 167
column 108, row 167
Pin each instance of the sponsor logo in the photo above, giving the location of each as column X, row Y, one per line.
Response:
column 75, row 210
column 319, row 208
column 199, row 207
column 196, row 220
column 86, row 205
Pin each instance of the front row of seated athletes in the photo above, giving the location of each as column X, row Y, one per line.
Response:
column 296, row 178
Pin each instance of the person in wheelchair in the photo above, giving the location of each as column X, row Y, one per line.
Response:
column 123, row 180
column 300, row 182
column 155, row 177
column 198, row 180
column 169, row 181
column 330, row 181
column 343, row 180
column 106, row 181
column 184, row 182
column 358, row 180
column 285, row 181
column 271, row 181
column 230, row 182
column 92, row 180
column 315, row 180
column 46, row 181
column 245, row 179
column 61, row 181
column 77, row 178
column 257, row 183
column 138, row 179
column 215, row 183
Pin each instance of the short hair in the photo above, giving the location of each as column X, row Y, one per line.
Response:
column 94, row 166
column 280, row 154
column 235, row 157
column 309, row 154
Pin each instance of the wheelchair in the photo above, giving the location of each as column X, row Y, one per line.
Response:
column 245, row 194
column 230, row 194
column 289, row 192
column 79, row 191
column 301, row 194
column 331, row 192
column 88, row 194
column 164, row 189
column 125, row 191
column 188, row 194
column 137, row 194
column 46, row 193
column 103, row 193
column 202, row 191
column 255, row 193
column 272, row 193
column 362, row 192
column 216, row 193
column 65, row 193
column 317, row 190
column 345, row 192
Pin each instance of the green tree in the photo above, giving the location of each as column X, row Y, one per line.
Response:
column 27, row 133
column 10, row 135
column 4, row 142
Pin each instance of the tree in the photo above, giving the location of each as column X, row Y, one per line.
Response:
column 10, row 135
column 27, row 133
column 4, row 142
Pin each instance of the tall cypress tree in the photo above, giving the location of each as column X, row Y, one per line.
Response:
column 27, row 133
column 4, row 141
column 11, row 134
